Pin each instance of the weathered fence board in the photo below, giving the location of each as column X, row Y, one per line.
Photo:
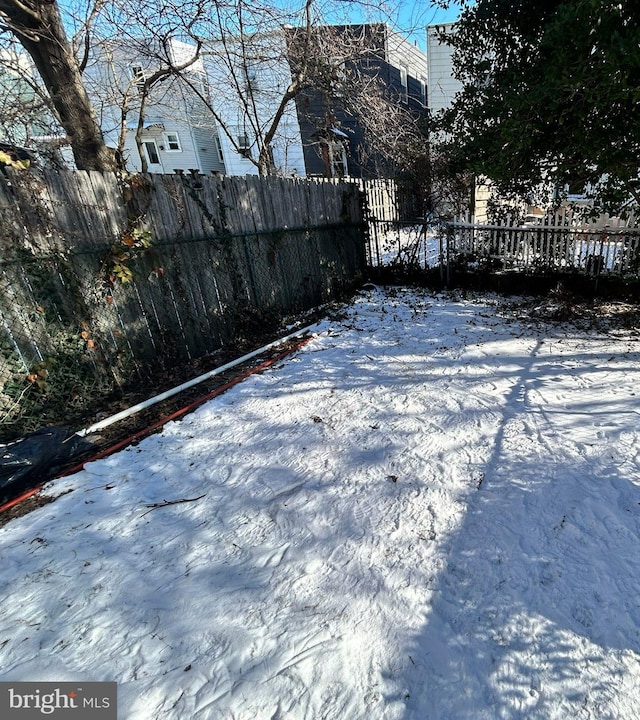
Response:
column 223, row 251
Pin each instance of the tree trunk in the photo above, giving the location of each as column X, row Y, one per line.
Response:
column 38, row 27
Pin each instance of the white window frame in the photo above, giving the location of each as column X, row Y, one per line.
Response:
column 145, row 144
column 137, row 73
column 218, row 146
column 252, row 77
column 167, row 143
column 338, row 77
column 404, row 82
column 138, row 76
column 244, row 148
column 340, row 163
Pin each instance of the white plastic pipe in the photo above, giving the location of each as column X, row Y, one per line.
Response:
column 190, row 383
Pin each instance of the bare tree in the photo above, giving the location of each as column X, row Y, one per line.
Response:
column 251, row 79
column 260, row 57
column 39, row 28
column 126, row 82
column 24, row 105
column 137, row 59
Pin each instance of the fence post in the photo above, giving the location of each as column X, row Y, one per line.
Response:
column 447, row 250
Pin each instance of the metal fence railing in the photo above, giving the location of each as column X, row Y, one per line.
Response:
column 426, row 245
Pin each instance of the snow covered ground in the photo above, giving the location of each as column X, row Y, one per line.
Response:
column 432, row 511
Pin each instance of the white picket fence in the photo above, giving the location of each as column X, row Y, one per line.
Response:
column 556, row 242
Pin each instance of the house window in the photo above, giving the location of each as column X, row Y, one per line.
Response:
column 172, row 142
column 338, row 76
column 575, row 187
column 138, row 76
column 251, row 77
column 334, row 157
column 244, row 146
column 404, row 82
column 203, row 83
column 151, row 150
column 340, row 167
column 219, row 148
column 423, row 92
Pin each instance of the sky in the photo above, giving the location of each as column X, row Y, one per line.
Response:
column 414, row 17
column 409, row 18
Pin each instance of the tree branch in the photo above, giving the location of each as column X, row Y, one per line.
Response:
column 166, row 503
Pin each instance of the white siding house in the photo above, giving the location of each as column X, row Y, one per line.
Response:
column 178, row 133
column 248, row 79
column 442, row 85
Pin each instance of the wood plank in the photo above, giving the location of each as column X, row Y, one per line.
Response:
column 185, row 292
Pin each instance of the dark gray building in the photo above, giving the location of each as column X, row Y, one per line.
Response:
column 336, row 138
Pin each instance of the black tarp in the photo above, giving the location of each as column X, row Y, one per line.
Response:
column 36, row 458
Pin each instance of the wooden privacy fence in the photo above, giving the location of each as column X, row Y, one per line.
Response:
column 556, row 243
column 382, row 211
column 395, row 219
column 106, row 279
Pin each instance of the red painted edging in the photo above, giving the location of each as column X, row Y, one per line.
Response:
column 154, row 426
column 20, row 498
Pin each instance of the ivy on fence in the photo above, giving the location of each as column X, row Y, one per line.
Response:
column 100, row 286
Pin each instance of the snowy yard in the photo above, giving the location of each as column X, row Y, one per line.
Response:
column 430, row 512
